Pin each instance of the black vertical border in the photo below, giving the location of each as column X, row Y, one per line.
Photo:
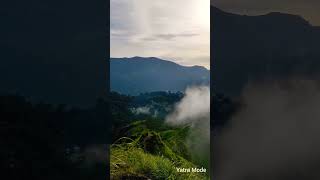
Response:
column 211, row 164
column 107, row 60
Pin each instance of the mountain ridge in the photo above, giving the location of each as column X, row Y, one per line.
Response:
column 249, row 49
column 141, row 58
column 217, row 10
column 144, row 74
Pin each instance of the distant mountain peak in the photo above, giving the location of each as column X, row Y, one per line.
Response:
column 217, row 11
column 199, row 67
column 287, row 17
column 137, row 58
column 277, row 16
column 140, row 58
column 251, row 49
column 147, row 74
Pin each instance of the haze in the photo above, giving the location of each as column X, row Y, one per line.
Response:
column 174, row 30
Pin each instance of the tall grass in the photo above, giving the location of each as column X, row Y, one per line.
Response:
column 129, row 158
column 134, row 162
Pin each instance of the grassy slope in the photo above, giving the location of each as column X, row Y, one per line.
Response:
column 153, row 154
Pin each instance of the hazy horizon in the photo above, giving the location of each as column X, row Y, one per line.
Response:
column 175, row 30
column 171, row 60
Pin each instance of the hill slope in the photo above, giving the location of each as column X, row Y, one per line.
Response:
column 138, row 75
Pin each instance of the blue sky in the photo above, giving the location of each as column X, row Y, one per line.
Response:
column 176, row 30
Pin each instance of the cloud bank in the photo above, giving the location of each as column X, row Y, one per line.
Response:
column 274, row 136
column 194, row 107
column 194, row 110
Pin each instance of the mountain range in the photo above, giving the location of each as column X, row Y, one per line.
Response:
column 146, row 74
column 244, row 49
column 265, row 47
column 70, row 70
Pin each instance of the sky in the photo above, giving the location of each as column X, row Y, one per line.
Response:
column 177, row 30
column 308, row 9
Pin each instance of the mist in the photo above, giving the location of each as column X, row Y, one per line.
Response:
column 141, row 110
column 194, row 110
column 274, row 136
column 194, row 107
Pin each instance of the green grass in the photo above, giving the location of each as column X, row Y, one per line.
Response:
column 136, row 163
column 152, row 154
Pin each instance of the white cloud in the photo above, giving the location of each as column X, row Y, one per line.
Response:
column 194, row 110
column 194, row 107
column 141, row 110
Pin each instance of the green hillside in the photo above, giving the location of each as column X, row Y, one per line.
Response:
column 148, row 148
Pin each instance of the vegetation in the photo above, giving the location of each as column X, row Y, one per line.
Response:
column 148, row 148
column 46, row 141
column 150, row 155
